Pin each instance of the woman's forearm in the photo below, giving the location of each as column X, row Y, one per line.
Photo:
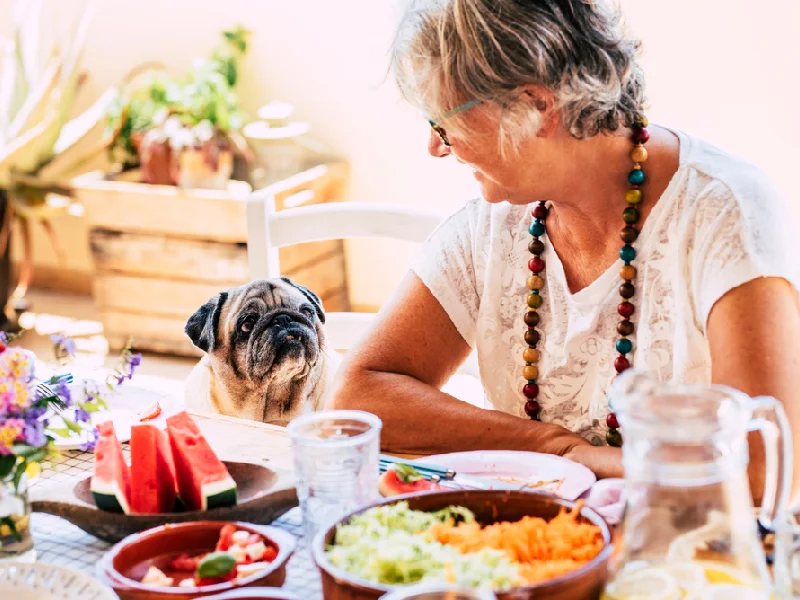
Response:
column 420, row 419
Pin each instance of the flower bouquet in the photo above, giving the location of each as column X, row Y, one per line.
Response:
column 32, row 414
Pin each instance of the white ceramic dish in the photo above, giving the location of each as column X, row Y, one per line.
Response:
column 127, row 404
column 38, row 581
column 569, row 478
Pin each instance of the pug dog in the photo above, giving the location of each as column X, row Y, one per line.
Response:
column 266, row 357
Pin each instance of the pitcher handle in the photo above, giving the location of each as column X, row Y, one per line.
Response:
column 770, row 420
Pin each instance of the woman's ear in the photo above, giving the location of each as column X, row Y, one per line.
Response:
column 543, row 101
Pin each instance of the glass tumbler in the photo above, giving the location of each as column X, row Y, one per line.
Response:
column 438, row 591
column 336, row 464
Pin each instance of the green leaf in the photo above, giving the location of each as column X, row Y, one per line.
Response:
column 59, row 431
column 23, row 450
column 72, row 425
column 95, row 406
column 12, row 525
column 216, row 564
column 407, row 473
column 20, row 471
column 7, row 462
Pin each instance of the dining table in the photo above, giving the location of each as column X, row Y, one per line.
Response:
column 58, row 542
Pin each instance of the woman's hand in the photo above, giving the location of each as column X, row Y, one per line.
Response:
column 603, row 461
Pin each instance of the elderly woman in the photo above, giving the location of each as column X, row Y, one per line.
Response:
column 599, row 243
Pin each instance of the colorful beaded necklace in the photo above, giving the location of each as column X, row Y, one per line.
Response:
column 627, row 253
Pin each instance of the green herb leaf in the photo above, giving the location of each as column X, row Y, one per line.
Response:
column 7, row 462
column 407, row 473
column 216, row 564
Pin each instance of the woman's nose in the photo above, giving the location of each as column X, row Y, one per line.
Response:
column 437, row 147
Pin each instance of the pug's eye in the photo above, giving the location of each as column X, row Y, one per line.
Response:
column 308, row 311
column 247, row 324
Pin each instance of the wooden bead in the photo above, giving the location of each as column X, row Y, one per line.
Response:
column 627, row 291
column 535, row 282
column 627, row 272
column 633, row 196
column 639, row 154
column 624, row 346
column 540, row 211
column 530, row 390
column 530, row 355
column 611, row 421
column 534, row 300
column 531, row 337
column 643, row 122
column 630, row 215
column 614, row 438
column 641, row 135
column 621, row 364
column 536, row 265
column 531, row 318
column 625, row 327
column 625, row 309
column 536, row 247
column 628, row 234
column 532, row 408
column 530, row 372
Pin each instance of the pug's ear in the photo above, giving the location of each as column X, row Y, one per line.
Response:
column 311, row 296
column 202, row 325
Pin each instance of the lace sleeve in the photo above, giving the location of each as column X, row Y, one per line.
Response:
column 445, row 264
column 740, row 237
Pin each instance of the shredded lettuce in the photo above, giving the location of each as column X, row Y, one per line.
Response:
column 390, row 545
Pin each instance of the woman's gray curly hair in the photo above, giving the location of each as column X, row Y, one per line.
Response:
column 448, row 52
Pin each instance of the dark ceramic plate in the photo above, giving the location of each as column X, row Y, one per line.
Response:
column 489, row 506
column 264, row 495
column 126, row 563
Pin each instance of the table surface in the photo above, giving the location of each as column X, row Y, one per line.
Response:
column 60, row 543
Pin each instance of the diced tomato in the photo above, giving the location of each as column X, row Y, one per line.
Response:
column 226, row 537
column 214, row 580
column 270, row 554
column 184, row 562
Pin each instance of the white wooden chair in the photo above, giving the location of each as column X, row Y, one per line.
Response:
column 269, row 229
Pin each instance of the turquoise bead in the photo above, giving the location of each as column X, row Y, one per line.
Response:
column 636, row 177
column 624, row 346
column 627, row 253
column 536, row 228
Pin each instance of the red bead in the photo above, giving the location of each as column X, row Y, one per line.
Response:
column 640, row 135
column 611, row 421
column 621, row 364
column 634, row 187
column 540, row 211
column 532, row 408
column 625, row 309
column 530, row 390
column 536, row 265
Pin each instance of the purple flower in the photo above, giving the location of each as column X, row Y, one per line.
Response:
column 62, row 389
column 134, row 360
column 63, row 347
column 81, row 416
column 34, row 434
column 91, row 442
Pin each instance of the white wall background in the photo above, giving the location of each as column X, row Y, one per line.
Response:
column 725, row 70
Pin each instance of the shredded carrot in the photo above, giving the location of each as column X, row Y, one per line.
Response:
column 544, row 549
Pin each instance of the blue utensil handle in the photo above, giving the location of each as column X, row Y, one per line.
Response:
column 441, row 472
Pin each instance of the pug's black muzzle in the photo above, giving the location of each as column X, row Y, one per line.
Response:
column 277, row 336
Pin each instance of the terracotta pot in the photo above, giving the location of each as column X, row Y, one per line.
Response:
column 125, row 564
column 489, row 506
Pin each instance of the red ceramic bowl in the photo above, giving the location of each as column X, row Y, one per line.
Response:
column 126, row 563
column 254, row 594
column 489, row 506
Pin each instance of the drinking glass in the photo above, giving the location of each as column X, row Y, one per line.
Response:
column 336, row 463
column 438, row 591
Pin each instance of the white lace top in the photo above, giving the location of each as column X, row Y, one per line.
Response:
column 718, row 225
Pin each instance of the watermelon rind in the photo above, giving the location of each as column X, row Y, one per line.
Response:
column 218, row 494
column 109, row 496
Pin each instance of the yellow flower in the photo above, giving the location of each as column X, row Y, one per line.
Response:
column 33, row 469
column 8, row 435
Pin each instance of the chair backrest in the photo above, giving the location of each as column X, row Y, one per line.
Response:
column 269, row 229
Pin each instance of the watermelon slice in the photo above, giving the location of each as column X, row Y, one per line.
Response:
column 111, row 480
column 152, row 471
column 404, row 479
column 203, row 481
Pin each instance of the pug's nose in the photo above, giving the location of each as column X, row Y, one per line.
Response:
column 282, row 320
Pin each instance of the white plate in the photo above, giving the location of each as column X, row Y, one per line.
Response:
column 38, row 581
column 126, row 403
column 573, row 478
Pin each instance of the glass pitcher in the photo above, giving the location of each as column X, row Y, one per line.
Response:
column 689, row 530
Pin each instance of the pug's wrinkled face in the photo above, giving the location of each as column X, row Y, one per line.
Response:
column 265, row 336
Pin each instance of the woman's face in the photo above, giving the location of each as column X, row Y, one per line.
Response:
column 518, row 176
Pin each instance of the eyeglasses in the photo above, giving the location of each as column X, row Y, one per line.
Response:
column 440, row 130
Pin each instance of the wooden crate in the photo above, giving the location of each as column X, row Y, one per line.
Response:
column 161, row 252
